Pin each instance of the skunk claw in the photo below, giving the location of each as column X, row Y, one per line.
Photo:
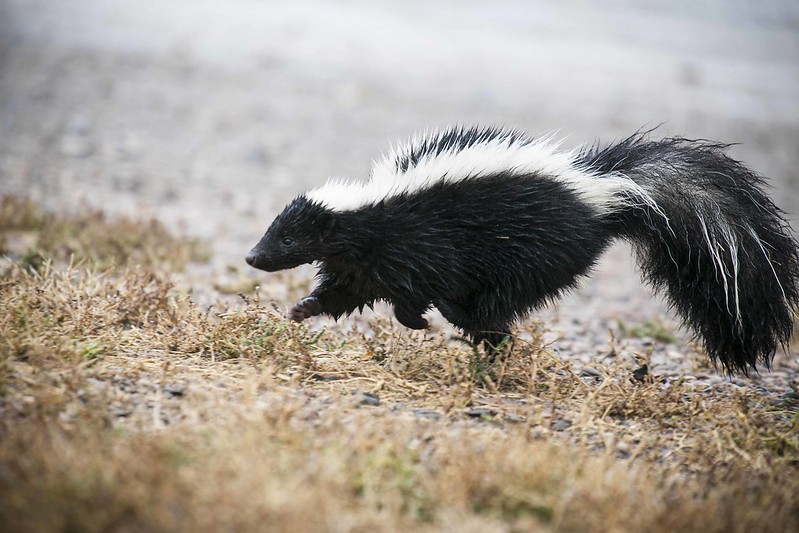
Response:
column 305, row 308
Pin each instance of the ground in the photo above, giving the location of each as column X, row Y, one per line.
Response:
column 139, row 391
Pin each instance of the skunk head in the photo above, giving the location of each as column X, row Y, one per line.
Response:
column 297, row 236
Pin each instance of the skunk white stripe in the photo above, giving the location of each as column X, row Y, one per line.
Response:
column 770, row 263
column 502, row 154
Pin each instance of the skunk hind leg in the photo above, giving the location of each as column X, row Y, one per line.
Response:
column 410, row 316
column 494, row 339
column 495, row 343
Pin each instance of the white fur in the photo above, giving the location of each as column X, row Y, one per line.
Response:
column 716, row 238
column 541, row 157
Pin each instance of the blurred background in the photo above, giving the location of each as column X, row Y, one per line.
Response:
column 211, row 114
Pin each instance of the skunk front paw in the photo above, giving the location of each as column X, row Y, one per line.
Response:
column 305, row 308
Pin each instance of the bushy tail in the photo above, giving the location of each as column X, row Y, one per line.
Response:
column 709, row 237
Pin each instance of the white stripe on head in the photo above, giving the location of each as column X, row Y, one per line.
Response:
column 500, row 151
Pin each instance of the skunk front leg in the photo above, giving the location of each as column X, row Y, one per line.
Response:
column 305, row 308
column 329, row 299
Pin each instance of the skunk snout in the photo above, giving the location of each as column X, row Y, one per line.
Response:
column 265, row 260
column 251, row 257
column 258, row 259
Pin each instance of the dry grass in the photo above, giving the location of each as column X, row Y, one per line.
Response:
column 125, row 406
column 32, row 236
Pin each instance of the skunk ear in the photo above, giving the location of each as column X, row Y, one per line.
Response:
column 328, row 226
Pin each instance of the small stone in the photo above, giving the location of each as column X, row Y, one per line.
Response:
column 367, row 398
column 788, row 399
column 322, row 377
column 175, row 390
column 119, row 412
column 481, row 412
column 562, row 424
column 590, row 372
column 514, row 418
column 427, row 414
column 674, row 354
column 95, row 384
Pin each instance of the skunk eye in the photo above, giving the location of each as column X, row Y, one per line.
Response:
column 288, row 241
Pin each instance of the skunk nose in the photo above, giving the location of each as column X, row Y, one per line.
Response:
column 251, row 258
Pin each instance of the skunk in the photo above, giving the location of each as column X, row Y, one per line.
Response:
column 487, row 224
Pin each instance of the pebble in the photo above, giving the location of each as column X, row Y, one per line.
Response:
column 427, row 414
column 367, row 398
column 481, row 412
column 590, row 372
column 562, row 424
column 119, row 412
column 95, row 384
column 514, row 418
column 175, row 390
column 790, row 398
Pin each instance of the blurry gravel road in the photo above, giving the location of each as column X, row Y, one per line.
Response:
column 210, row 115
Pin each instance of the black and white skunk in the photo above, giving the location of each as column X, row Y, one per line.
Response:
column 487, row 224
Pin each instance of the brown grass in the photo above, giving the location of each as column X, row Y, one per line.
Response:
column 32, row 236
column 125, row 406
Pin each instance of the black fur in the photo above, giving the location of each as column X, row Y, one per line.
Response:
column 487, row 250
column 695, row 178
column 456, row 139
